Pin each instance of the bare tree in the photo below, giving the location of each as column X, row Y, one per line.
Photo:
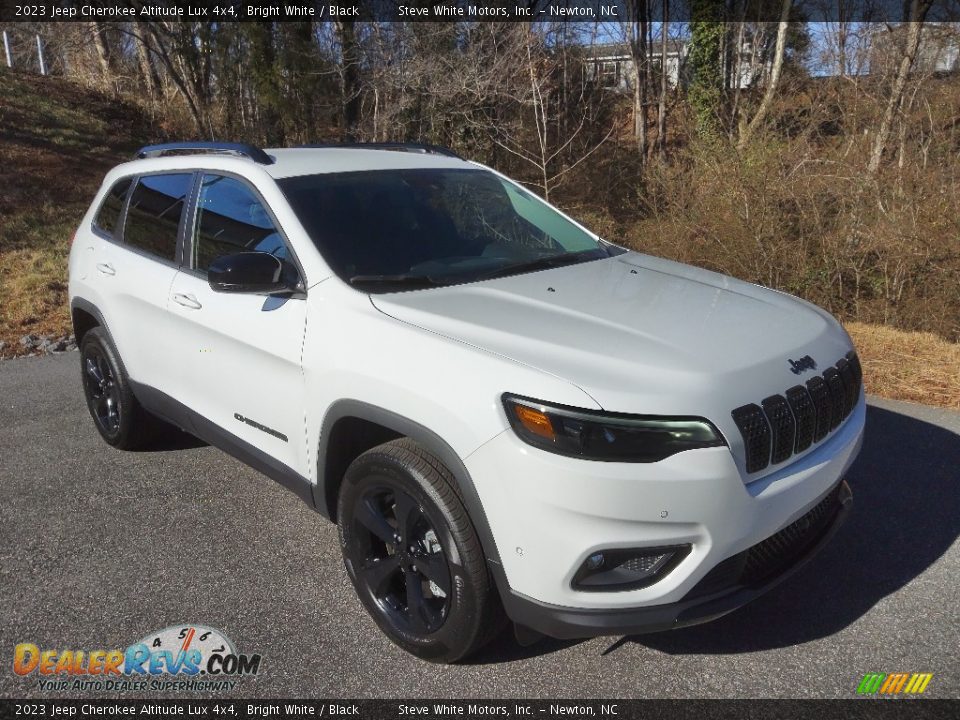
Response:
column 98, row 34
column 350, row 78
column 664, row 85
column 637, row 31
column 148, row 69
column 914, row 26
column 774, row 81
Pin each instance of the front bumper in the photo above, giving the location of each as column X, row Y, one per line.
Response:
column 731, row 585
column 548, row 513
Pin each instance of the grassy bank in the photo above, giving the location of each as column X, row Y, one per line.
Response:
column 913, row 366
column 57, row 142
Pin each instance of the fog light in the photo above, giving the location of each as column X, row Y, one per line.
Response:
column 628, row 569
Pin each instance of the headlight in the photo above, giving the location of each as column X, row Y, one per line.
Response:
column 593, row 435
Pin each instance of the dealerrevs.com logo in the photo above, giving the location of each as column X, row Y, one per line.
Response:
column 179, row 657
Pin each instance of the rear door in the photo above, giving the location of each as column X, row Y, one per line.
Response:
column 239, row 355
column 134, row 265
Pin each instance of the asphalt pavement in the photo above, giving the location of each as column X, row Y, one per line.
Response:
column 99, row 547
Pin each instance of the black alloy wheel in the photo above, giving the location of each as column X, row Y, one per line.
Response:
column 398, row 559
column 103, row 395
column 413, row 554
column 116, row 413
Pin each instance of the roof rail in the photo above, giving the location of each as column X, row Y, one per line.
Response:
column 202, row 146
column 397, row 146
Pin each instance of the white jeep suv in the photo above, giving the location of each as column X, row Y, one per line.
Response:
column 507, row 416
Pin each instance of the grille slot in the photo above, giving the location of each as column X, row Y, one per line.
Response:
column 817, row 387
column 787, row 425
column 783, row 426
column 835, row 386
column 849, row 387
column 755, row 430
column 855, row 364
column 805, row 414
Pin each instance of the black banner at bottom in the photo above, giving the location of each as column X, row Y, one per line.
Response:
column 886, row 709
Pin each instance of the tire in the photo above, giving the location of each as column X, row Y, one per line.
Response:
column 116, row 413
column 413, row 555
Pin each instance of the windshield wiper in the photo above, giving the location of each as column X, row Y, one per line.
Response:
column 542, row 263
column 401, row 279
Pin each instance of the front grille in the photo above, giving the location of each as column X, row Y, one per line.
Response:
column 782, row 426
column 773, row 556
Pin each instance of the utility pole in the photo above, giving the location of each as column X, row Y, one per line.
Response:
column 43, row 64
column 6, row 49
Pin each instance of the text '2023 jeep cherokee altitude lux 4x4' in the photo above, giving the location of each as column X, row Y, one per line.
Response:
column 501, row 410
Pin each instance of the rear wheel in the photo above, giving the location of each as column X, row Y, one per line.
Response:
column 413, row 555
column 117, row 415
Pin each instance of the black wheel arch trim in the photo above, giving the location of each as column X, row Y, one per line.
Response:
column 431, row 441
column 79, row 303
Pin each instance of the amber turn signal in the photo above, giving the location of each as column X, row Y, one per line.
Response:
column 535, row 421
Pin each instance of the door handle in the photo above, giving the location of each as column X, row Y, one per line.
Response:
column 187, row 300
column 106, row 268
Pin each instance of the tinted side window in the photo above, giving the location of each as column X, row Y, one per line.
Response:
column 154, row 214
column 109, row 215
column 232, row 219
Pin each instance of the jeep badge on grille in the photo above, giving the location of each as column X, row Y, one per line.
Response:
column 804, row 363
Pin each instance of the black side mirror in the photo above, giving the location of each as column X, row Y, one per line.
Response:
column 247, row 272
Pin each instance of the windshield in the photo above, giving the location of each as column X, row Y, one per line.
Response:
column 387, row 230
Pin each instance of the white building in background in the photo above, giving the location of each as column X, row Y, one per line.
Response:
column 939, row 50
column 611, row 64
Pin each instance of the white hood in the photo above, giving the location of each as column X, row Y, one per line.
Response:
column 637, row 333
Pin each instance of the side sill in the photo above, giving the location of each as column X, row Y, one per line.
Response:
column 176, row 413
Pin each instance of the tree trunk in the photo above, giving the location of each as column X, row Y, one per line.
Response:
column 640, row 56
column 775, row 72
column 737, row 66
column 662, row 105
column 103, row 51
column 350, row 79
column 147, row 69
column 160, row 46
column 707, row 91
column 918, row 11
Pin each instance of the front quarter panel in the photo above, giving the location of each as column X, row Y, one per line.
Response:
column 352, row 351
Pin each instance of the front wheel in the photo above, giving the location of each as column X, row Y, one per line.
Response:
column 413, row 554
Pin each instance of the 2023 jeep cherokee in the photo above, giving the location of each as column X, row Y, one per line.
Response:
column 501, row 410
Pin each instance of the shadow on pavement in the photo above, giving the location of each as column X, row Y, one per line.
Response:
column 905, row 516
column 169, row 438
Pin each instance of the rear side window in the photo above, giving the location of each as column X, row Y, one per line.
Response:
column 153, row 217
column 232, row 219
column 109, row 216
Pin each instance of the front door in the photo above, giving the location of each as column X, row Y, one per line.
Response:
column 241, row 353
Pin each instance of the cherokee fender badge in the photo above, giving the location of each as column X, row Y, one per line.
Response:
column 262, row 428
